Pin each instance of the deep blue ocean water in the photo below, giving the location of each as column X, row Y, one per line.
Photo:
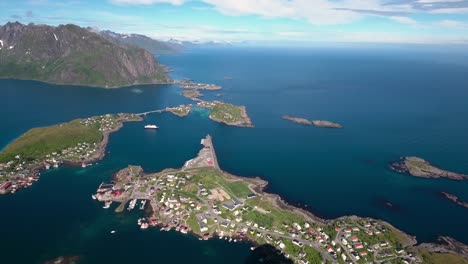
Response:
column 392, row 102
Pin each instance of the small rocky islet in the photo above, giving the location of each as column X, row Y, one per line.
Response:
column 316, row 123
column 419, row 167
column 454, row 199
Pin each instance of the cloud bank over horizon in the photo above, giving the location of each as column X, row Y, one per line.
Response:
column 381, row 21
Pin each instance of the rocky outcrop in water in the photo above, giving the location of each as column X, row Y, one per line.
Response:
column 317, row 123
column 454, row 199
column 421, row 168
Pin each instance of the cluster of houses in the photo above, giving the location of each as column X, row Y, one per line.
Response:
column 181, row 110
column 184, row 205
column 187, row 84
column 17, row 174
column 106, row 122
column 21, row 173
column 209, row 105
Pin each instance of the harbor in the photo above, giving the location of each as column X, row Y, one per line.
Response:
column 201, row 199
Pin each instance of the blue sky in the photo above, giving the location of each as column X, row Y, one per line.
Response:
column 302, row 21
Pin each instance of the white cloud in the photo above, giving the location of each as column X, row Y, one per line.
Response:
column 452, row 24
column 388, row 37
column 462, row 10
column 438, row 1
column 404, row 20
column 319, row 12
column 148, row 2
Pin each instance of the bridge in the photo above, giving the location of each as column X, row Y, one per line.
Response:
column 151, row 112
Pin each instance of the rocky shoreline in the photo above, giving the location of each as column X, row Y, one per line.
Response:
column 446, row 245
column 454, row 199
column 418, row 167
column 316, row 123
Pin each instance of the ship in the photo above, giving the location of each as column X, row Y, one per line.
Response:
column 151, row 127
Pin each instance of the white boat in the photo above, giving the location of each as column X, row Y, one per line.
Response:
column 151, row 127
column 142, row 204
column 144, row 225
column 113, row 232
column 132, row 204
column 93, row 196
column 107, row 204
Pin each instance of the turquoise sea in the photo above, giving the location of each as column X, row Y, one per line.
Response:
column 392, row 102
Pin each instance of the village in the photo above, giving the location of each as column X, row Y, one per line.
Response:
column 23, row 169
column 201, row 199
column 189, row 84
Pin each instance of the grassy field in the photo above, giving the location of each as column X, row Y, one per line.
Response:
column 38, row 142
column 441, row 258
column 238, row 188
column 227, row 112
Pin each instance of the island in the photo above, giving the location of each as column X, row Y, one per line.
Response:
column 203, row 200
column 192, row 89
column 78, row 143
column 189, row 84
column 298, row 120
column 419, row 167
column 317, row 123
column 228, row 114
column 192, row 94
column 180, row 111
column 454, row 199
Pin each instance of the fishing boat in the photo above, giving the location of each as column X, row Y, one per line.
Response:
column 151, row 127
column 107, row 204
column 142, row 204
column 132, row 204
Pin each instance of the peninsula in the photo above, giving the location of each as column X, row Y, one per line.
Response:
column 202, row 199
column 79, row 142
column 317, row 123
column 418, row 167
column 69, row 54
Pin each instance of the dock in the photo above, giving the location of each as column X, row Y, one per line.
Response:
column 208, row 143
column 121, row 207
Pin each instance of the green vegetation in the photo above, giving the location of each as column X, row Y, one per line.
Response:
column 419, row 165
column 238, row 188
column 39, row 142
column 227, row 113
column 261, row 219
column 441, row 258
column 89, row 59
column 191, row 93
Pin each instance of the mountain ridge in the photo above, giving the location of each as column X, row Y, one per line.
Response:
column 72, row 55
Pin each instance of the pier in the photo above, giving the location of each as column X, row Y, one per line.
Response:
column 208, row 143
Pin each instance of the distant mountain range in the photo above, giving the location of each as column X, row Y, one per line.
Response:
column 69, row 54
column 157, row 47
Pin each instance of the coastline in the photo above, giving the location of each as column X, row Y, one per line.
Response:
column 89, row 85
column 257, row 185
